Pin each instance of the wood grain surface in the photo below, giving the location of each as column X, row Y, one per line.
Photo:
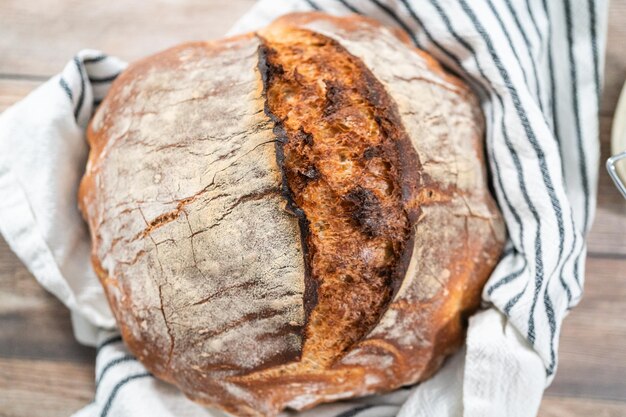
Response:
column 44, row 372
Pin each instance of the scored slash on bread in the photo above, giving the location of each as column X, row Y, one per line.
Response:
column 292, row 216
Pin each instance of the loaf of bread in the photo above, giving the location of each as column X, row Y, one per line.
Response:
column 292, row 216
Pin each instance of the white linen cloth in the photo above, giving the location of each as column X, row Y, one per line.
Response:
column 536, row 66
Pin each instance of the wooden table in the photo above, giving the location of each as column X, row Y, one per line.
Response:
column 44, row 372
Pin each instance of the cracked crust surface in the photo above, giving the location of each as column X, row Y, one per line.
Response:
column 181, row 191
column 197, row 245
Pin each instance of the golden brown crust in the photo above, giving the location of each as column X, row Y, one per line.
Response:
column 352, row 172
column 199, row 250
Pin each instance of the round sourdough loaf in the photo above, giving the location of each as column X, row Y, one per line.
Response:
column 292, row 216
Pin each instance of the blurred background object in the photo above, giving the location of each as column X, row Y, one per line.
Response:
column 616, row 165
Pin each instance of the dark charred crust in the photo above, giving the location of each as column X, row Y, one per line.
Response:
column 375, row 93
column 268, row 73
column 291, row 205
column 311, row 173
column 297, row 76
column 267, row 68
column 278, row 130
column 311, row 285
column 371, row 152
column 404, row 260
column 305, row 137
column 333, row 99
column 366, row 211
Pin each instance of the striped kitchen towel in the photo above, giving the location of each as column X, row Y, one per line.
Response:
column 536, row 66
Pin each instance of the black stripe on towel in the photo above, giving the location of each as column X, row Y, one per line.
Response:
column 355, row 411
column 514, row 300
column 111, row 364
column 94, row 59
column 387, row 10
column 567, row 258
column 449, row 55
column 508, row 278
column 66, row 88
column 81, row 96
column 552, row 324
column 582, row 162
column 511, row 46
column 312, row 5
column 594, row 46
column 528, row 49
column 117, row 387
column 103, row 80
column 534, row 22
column 109, row 341
column 553, row 103
column 349, row 6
